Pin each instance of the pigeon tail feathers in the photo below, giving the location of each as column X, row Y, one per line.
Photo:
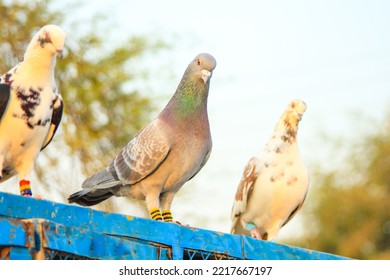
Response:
column 96, row 188
column 101, row 180
column 89, row 197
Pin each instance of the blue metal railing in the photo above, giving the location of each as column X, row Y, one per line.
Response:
column 41, row 229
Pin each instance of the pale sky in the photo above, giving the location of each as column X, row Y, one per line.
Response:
column 334, row 55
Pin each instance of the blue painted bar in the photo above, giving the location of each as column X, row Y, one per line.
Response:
column 41, row 229
column 20, row 253
column 13, row 232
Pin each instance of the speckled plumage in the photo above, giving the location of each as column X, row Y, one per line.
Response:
column 30, row 104
column 273, row 188
column 166, row 153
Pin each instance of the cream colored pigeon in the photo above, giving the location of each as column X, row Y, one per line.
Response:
column 273, row 187
column 30, row 106
column 165, row 154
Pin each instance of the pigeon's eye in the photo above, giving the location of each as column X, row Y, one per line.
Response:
column 44, row 39
column 41, row 41
column 198, row 61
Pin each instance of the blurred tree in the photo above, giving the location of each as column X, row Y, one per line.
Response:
column 348, row 212
column 101, row 113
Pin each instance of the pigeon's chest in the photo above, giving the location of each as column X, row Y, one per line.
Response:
column 187, row 157
column 282, row 168
column 283, row 182
column 26, row 122
column 33, row 105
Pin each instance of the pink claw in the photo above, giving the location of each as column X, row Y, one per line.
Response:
column 256, row 234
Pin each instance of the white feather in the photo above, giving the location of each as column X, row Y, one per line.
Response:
column 282, row 180
column 26, row 123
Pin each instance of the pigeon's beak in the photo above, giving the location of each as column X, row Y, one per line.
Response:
column 60, row 53
column 300, row 115
column 206, row 75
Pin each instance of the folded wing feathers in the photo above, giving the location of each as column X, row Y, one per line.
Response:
column 138, row 159
column 55, row 122
column 245, row 187
column 5, row 93
column 141, row 156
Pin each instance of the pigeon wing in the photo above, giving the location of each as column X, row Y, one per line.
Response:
column 5, row 93
column 295, row 211
column 244, row 189
column 55, row 122
column 140, row 158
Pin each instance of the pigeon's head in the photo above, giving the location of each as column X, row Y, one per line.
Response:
column 297, row 108
column 202, row 67
column 51, row 38
column 291, row 117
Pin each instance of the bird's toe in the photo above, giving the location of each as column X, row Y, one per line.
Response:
column 256, row 234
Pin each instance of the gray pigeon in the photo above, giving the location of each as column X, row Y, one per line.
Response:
column 273, row 187
column 30, row 106
column 165, row 154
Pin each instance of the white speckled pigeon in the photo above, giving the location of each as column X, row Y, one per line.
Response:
column 30, row 106
column 165, row 154
column 273, row 188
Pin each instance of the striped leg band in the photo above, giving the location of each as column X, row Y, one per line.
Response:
column 156, row 214
column 167, row 215
column 25, row 188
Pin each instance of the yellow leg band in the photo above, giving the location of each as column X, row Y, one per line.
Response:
column 156, row 214
column 167, row 215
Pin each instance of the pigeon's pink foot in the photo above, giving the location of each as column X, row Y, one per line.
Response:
column 256, row 234
column 180, row 224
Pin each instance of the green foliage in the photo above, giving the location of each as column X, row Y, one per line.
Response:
column 101, row 112
column 349, row 209
column 19, row 19
column 99, row 109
